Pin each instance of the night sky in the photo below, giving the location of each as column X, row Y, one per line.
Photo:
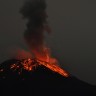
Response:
column 73, row 41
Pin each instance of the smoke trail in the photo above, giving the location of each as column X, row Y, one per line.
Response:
column 34, row 11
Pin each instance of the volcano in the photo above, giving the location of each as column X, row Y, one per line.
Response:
column 40, row 81
column 42, row 75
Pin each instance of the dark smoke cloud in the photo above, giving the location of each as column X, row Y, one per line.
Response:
column 34, row 11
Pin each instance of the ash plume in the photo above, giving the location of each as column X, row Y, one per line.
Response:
column 34, row 11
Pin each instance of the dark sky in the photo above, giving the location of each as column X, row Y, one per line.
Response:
column 73, row 40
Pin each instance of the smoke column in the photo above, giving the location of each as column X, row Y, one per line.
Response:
column 34, row 12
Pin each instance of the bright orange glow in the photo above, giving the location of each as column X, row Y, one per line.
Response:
column 47, row 61
column 31, row 64
column 42, row 60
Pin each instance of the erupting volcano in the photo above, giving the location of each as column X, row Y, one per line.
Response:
column 40, row 75
column 34, row 11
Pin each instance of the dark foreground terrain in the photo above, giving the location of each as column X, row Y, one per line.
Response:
column 41, row 82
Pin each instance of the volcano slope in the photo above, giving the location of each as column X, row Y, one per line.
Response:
column 40, row 82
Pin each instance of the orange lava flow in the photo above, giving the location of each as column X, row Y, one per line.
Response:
column 44, row 59
column 31, row 64
column 54, row 68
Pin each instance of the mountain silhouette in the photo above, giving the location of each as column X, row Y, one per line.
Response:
column 40, row 82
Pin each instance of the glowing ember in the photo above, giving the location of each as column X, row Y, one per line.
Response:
column 31, row 64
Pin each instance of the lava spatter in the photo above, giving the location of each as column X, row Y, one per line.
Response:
column 31, row 64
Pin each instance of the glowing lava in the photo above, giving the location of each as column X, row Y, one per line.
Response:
column 31, row 64
column 44, row 59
